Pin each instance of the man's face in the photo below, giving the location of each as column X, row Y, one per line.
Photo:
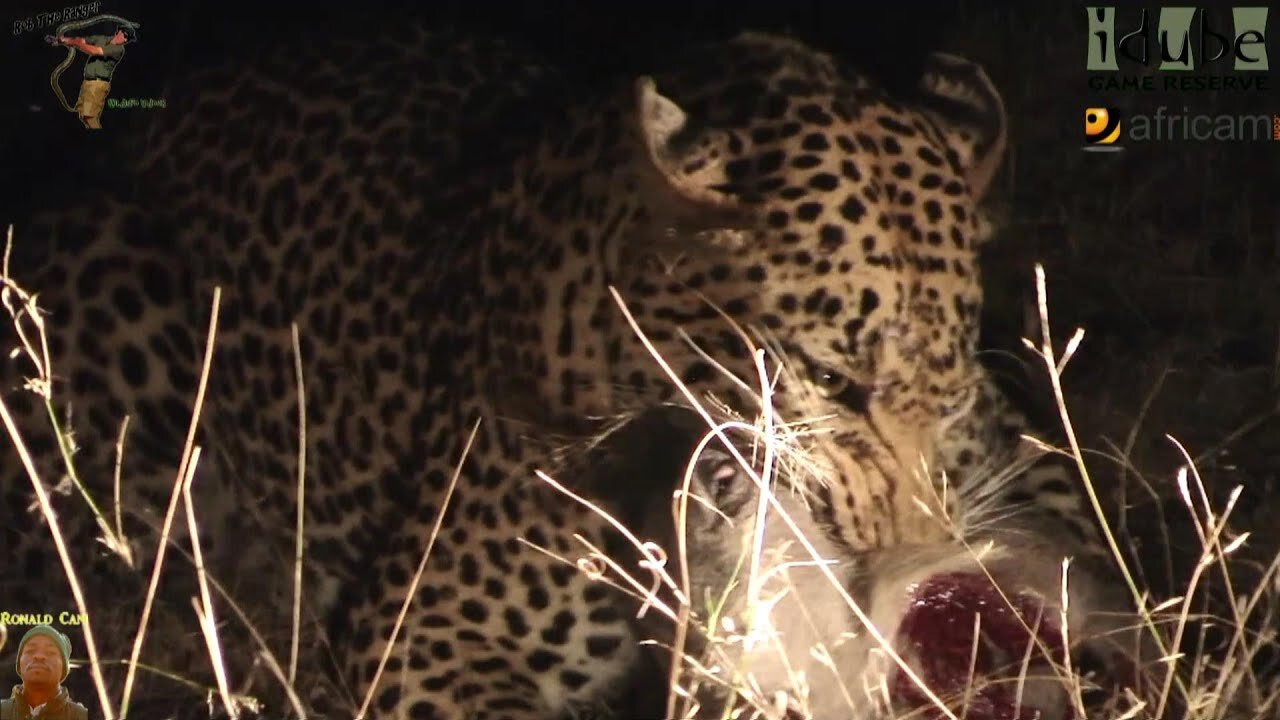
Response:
column 40, row 662
column 119, row 38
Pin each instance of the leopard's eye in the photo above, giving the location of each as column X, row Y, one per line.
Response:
column 835, row 385
column 830, row 383
column 723, row 475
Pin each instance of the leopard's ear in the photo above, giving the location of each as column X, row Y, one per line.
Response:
column 968, row 108
column 682, row 170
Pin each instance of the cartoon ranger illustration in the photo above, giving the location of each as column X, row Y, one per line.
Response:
column 104, row 52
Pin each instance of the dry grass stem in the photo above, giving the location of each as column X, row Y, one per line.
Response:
column 299, row 531
column 417, row 575
column 187, row 449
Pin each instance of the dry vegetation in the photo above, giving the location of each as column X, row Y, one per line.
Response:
column 1196, row 679
column 1168, row 255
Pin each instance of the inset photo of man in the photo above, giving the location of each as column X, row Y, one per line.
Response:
column 44, row 659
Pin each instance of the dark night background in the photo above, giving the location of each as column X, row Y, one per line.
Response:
column 592, row 41
column 1167, row 254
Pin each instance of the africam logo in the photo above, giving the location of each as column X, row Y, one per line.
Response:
column 1104, row 130
column 1101, row 129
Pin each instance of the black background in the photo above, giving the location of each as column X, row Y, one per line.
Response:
column 592, row 42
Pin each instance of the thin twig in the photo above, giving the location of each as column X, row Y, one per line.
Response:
column 187, row 448
column 301, row 510
column 1054, row 367
column 203, row 605
column 1131, row 441
column 264, row 649
column 1240, row 431
column 417, row 575
column 42, row 385
column 115, row 485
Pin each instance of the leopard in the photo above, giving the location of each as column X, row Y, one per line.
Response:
column 396, row 290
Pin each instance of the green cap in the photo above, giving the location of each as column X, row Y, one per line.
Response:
column 62, row 641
